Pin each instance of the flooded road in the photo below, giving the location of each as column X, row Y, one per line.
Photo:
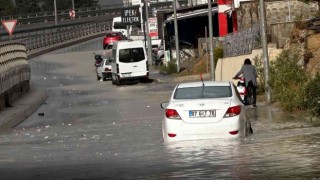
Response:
column 88, row 129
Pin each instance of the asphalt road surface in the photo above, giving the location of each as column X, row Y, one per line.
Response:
column 89, row 129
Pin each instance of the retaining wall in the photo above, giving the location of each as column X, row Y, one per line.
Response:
column 14, row 73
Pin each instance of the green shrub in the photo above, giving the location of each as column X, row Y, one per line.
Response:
column 287, row 81
column 170, row 68
column 313, row 96
column 217, row 53
column 259, row 67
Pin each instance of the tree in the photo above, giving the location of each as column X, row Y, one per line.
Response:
column 6, row 7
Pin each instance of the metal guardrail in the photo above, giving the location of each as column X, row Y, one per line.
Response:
column 45, row 17
column 58, row 36
column 242, row 43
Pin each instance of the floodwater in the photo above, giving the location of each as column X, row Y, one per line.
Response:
column 95, row 130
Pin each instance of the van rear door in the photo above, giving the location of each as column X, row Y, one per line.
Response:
column 132, row 62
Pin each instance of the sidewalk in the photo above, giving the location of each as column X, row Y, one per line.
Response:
column 22, row 109
column 163, row 78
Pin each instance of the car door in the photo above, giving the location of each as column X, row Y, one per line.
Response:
column 133, row 62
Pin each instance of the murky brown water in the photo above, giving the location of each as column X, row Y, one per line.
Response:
column 109, row 132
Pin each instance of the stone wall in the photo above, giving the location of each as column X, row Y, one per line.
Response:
column 280, row 18
column 276, row 12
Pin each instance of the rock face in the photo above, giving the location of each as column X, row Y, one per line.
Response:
column 276, row 12
column 313, row 44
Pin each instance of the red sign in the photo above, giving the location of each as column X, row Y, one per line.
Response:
column 9, row 25
column 72, row 13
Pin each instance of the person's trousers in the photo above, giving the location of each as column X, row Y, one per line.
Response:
column 254, row 92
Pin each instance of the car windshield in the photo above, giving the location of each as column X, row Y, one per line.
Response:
column 131, row 55
column 203, row 92
column 118, row 25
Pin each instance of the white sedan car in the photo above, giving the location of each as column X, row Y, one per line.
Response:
column 204, row 110
column 104, row 69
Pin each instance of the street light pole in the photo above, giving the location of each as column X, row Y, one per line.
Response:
column 264, row 48
column 72, row 1
column 176, row 34
column 210, row 39
column 55, row 12
column 147, row 31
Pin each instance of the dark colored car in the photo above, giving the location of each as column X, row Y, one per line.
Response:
column 110, row 38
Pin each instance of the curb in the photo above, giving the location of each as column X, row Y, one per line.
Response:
column 181, row 78
column 22, row 109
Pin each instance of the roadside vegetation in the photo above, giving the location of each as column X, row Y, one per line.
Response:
column 294, row 85
column 192, row 66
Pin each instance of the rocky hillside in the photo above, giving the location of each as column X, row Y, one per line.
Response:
column 308, row 43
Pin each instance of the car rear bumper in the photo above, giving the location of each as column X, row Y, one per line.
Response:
column 192, row 131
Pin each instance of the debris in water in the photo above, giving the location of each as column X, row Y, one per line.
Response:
column 40, row 114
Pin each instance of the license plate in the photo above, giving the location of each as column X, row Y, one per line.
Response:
column 126, row 75
column 202, row 113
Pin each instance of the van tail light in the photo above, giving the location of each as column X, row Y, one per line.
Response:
column 172, row 135
column 172, row 114
column 233, row 111
column 107, row 69
column 233, row 132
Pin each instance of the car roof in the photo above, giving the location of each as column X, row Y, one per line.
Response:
column 114, row 34
column 206, row 83
column 129, row 43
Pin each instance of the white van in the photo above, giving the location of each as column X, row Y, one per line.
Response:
column 117, row 26
column 129, row 61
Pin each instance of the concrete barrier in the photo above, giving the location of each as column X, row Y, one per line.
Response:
column 14, row 73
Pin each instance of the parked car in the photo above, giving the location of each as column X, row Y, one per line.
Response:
column 204, row 110
column 158, row 53
column 158, row 56
column 104, row 71
column 110, row 38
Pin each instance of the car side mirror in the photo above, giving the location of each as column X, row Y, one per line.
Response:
column 164, row 105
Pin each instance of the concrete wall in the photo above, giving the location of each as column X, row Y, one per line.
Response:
column 14, row 73
column 276, row 12
column 227, row 67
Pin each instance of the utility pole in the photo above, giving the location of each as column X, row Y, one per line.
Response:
column 176, row 34
column 72, row 1
column 210, row 39
column 55, row 12
column 147, row 29
column 128, row 26
column 264, row 48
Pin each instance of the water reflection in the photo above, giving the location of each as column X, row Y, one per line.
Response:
column 296, row 157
